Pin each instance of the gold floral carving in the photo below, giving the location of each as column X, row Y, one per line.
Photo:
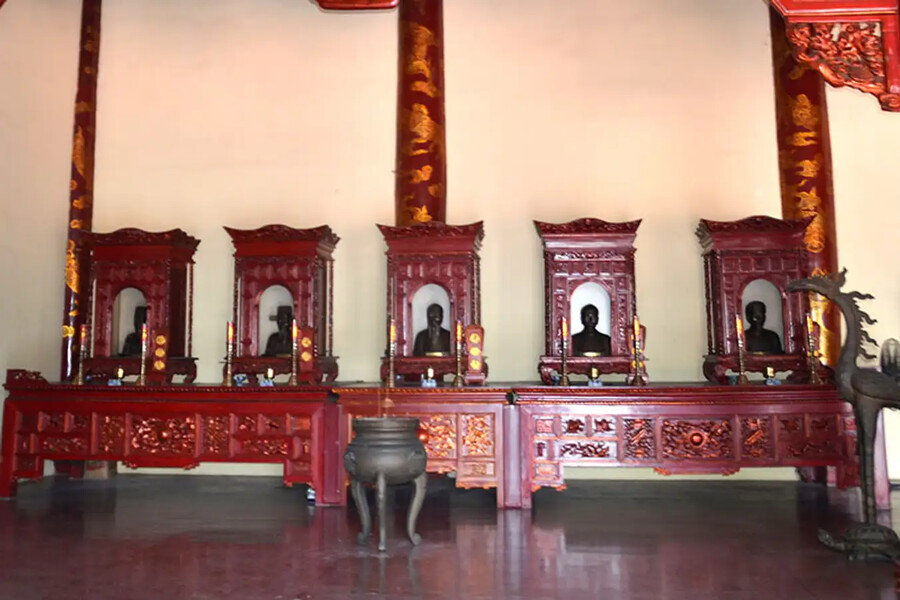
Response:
column 427, row 131
column 417, row 61
column 75, row 224
column 478, row 435
column 441, row 435
column 809, row 168
column 804, row 113
column 419, row 214
column 436, row 190
column 804, row 138
column 71, row 267
column 78, row 151
column 420, row 175
column 68, row 331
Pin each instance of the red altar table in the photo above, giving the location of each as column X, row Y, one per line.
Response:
column 674, row 429
column 171, row 426
column 465, row 427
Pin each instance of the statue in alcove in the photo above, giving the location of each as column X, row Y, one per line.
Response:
column 132, row 344
column 279, row 343
column 590, row 341
column 434, row 340
column 758, row 339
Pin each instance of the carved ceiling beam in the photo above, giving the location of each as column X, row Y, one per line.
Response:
column 854, row 43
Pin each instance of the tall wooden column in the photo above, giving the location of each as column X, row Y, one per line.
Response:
column 420, row 191
column 81, row 186
column 804, row 161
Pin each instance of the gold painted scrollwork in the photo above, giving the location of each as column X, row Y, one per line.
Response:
column 71, row 267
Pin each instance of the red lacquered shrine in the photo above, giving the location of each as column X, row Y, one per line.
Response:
column 446, row 257
column 300, row 260
column 579, row 254
column 160, row 267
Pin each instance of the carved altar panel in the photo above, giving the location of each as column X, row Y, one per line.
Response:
column 588, row 252
column 167, row 426
column 445, row 257
column 691, row 429
column 735, row 255
column 160, row 267
column 300, row 261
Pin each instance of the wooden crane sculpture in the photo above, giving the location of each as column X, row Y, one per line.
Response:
column 868, row 391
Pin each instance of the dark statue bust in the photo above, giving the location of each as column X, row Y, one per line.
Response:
column 132, row 344
column 434, row 340
column 758, row 339
column 589, row 341
column 279, row 343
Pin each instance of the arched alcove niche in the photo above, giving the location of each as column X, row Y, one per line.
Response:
column 271, row 301
column 129, row 313
column 425, row 296
column 590, row 293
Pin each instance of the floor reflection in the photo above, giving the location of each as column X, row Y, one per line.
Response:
column 200, row 537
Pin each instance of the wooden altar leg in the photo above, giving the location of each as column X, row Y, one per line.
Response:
column 331, row 489
column 8, row 483
column 415, row 507
column 362, row 507
column 381, row 501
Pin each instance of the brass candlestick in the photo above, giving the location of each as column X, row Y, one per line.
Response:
column 82, row 355
column 811, row 353
column 639, row 377
column 229, row 351
column 292, row 380
column 564, row 370
column 458, row 380
column 742, row 374
column 142, row 377
column 392, row 349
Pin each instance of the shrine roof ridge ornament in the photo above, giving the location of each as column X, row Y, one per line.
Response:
column 132, row 236
column 587, row 225
column 284, row 233
column 720, row 233
column 434, row 229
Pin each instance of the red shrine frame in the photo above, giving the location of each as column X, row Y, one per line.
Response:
column 160, row 266
column 301, row 261
column 588, row 251
column 445, row 255
column 736, row 253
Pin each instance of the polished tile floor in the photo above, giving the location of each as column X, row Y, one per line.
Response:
column 173, row 537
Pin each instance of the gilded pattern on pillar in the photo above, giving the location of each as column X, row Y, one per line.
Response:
column 81, row 184
column 804, row 160
column 421, row 157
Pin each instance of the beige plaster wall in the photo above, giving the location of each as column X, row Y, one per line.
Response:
column 248, row 112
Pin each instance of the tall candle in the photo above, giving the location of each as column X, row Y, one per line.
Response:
column 83, row 338
column 739, row 327
column 229, row 333
column 144, row 334
column 459, row 331
column 294, row 331
column 393, row 332
column 636, row 329
column 565, row 328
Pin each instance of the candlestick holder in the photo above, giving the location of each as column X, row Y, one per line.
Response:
column 812, row 357
column 142, row 376
column 228, row 380
column 742, row 373
column 638, row 374
column 292, row 380
column 458, row 380
column 564, row 366
column 392, row 354
column 82, row 356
